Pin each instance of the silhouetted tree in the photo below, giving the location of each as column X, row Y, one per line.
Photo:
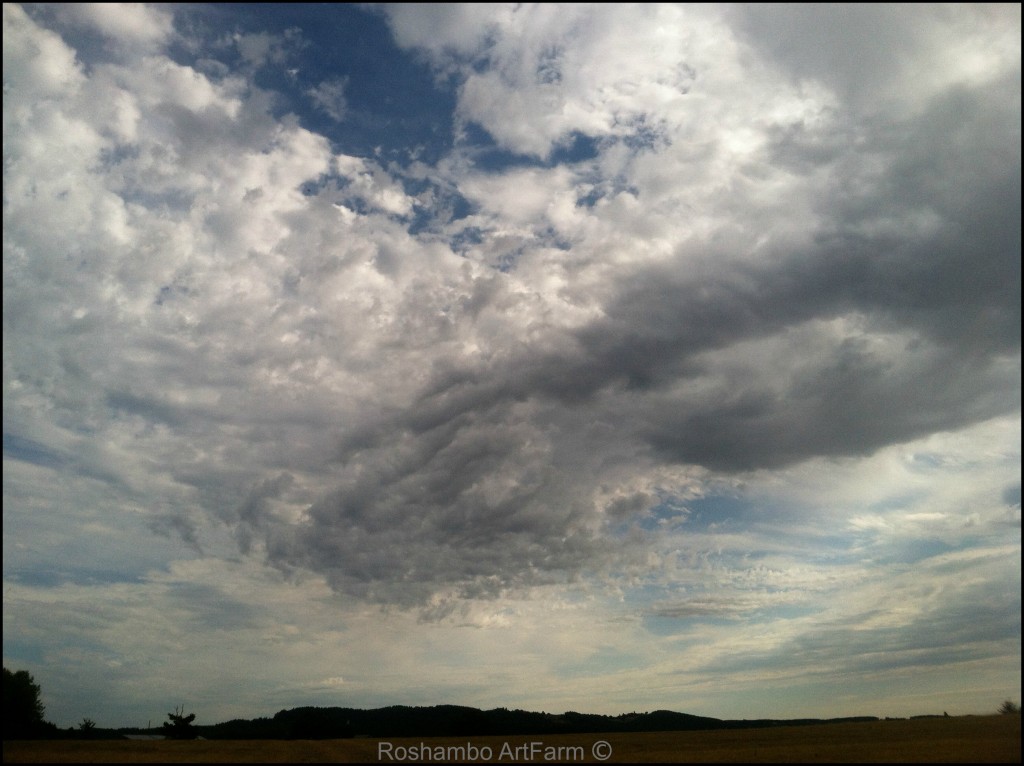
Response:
column 23, row 709
column 1009, row 708
column 180, row 725
column 87, row 728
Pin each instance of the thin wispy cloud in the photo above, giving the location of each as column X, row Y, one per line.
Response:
column 547, row 356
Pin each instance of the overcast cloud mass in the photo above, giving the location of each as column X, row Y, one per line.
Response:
column 561, row 357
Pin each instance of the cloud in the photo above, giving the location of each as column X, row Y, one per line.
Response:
column 665, row 352
column 451, row 28
column 478, row 407
column 329, row 96
column 131, row 24
column 555, row 71
column 884, row 55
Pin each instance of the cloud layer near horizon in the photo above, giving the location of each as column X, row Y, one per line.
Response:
column 712, row 332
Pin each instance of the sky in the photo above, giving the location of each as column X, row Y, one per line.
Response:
column 604, row 358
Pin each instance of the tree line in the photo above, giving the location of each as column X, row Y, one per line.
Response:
column 24, row 719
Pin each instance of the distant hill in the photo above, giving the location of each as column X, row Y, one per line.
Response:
column 460, row 721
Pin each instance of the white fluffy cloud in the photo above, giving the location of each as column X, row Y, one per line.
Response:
column 126, row 24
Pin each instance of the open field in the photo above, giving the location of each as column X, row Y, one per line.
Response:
column 974, row 739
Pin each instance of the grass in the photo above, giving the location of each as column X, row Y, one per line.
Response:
column 966, row 739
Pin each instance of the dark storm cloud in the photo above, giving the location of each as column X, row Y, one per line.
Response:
column 252, row 513
column 179, row 523
column 472, row 504
column 656, row 366
column 956, row 369
column 851, row 47
column 953, row 288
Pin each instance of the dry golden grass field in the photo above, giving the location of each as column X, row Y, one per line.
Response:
column 968, row 739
